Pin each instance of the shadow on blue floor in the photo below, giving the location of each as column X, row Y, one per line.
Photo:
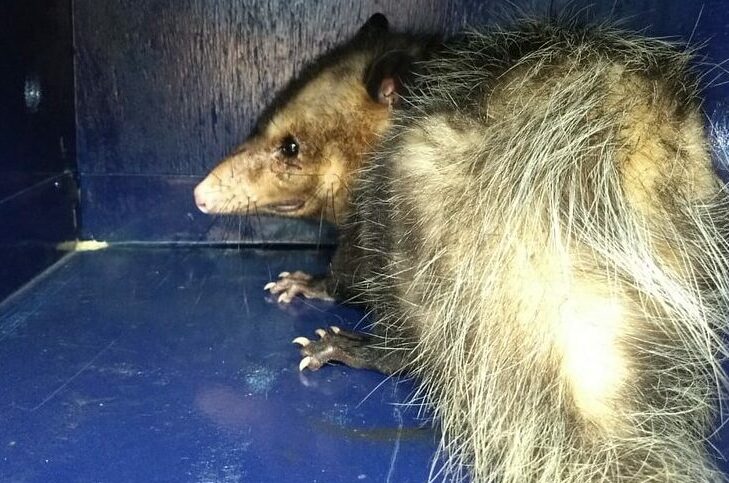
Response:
column 174, row 365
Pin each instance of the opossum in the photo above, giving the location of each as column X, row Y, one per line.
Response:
column 300, row 159
column 543, row 243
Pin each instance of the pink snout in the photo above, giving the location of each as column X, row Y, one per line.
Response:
column 201, row 197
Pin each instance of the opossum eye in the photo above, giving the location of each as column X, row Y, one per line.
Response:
column 289, row 147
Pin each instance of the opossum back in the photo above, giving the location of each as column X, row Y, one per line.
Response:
column 544, row 212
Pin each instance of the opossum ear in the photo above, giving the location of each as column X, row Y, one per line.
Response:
column 376, row 24
column 388, row 92
column 386, row 77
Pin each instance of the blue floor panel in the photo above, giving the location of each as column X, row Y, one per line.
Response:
column 174, row 365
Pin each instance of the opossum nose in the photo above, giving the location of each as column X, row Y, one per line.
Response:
column 200, row 199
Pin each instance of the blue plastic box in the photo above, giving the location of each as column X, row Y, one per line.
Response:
column 161, row 358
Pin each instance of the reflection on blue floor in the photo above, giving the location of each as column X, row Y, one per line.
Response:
column 174, row 365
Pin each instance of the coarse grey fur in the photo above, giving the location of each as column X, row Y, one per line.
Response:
column 544, row 238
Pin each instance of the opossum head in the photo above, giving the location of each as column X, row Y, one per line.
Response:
column 307, row 146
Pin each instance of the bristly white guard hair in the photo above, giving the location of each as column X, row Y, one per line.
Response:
column 543, row 230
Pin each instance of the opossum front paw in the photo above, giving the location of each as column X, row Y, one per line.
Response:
column 355, row 349
column 289, row 285
column 334, row 345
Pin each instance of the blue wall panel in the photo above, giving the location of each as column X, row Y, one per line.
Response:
column 37, row 137
column 34, row 222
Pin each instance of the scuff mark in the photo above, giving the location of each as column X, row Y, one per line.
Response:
column 222, row 465
column 199, row 296
column 260, row 379
column 69, row 381
column 396, row 448
column 225, row 407
column 338, row 415
column 82, row 245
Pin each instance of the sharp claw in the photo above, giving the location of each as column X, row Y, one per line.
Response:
column 269, row 285
column 304, row 363
column 302, row 341
column 321, row 332
column 283, row 299
column 335, row 329
column 283, row 274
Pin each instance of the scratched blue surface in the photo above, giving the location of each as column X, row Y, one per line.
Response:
column 173, row 365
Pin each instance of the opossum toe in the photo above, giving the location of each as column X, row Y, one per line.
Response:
column 311, row 363
column 302, row 341
column 299, row 275
column 299, row 283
